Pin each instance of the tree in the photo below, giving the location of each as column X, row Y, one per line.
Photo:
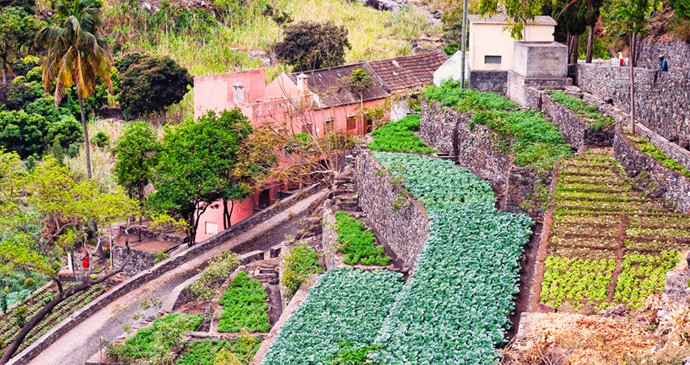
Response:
column 17, row 29
column 76, row 56
column 136, row 158
column 631, row 17
column 151, row 84
column 66, row 209
column 196, row 167
column 360, row 82
column 519, row 11
column 309, row 46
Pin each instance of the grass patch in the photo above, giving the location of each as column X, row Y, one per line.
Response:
column 357, row 242
column 590, row 113
column 244, row 306
column 297, row 264
column 467, row 100
column 644, row 146
column 399, row 137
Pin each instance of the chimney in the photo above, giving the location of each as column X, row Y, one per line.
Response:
column 302, row 82
column 238, row 93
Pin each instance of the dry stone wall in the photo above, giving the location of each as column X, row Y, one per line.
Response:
column 663, row 107
column 677, row 53
column 404, row 230
column 138, row 260
column 672, row 185
column 575, row 129
column 472, row 146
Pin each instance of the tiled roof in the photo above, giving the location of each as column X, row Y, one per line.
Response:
column 408, row 72
column 330, row 84
column 503, row 19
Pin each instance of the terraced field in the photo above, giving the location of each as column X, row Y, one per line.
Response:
column 9, row 326
column 608, row 244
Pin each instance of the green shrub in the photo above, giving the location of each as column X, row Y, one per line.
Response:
column 297, row 264
column 398, row 136
column 244, row 306
column 160, row 257
column 357, row 242
column 101, row 139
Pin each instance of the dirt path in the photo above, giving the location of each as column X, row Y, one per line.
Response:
column 79, row 344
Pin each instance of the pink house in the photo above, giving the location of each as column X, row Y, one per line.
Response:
column 308, row 102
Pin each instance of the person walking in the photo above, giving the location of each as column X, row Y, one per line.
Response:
column 663, row 67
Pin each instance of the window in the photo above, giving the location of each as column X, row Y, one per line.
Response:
column 328, row 123
column 211, row 228
column 492, row 59
column 351, row 122
column 308, row 129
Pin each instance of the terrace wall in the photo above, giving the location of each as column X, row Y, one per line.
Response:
column 575, row 129
column 404, row 230
column 138, row 261
column 672, row 185
column 472, row 147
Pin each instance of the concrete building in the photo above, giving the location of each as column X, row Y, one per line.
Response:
column 491, row 48
column 537, row 65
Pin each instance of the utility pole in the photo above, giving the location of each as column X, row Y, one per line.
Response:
column 464, row 42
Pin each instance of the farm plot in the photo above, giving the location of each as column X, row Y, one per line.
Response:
column 357, row 242
column 345, row 308
column 455, row 307
column 608, row 245
column 244, row 306
column 11, row 322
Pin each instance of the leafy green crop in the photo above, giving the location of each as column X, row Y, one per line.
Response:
column 569, row 281
column 642, row 276
column 467, row 100
column 590, row 113
column 203, row 352
column 357, row 242
column 399, row 137
column 344, row 306
column 454, row 308
column 244, row 306
column 645, row 146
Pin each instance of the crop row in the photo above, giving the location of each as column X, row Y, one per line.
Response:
column 344, row 306
column 399, row 136
column 455, row 306
column 244, row 306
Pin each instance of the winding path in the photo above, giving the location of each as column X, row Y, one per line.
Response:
column 79, row 344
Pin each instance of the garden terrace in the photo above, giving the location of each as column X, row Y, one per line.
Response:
column 204, row 352
column 609, row 244
column 399, row 136
column 357, row 242
column 244, row 306
column 345, row 306
column 455, row 306
column 9, row 322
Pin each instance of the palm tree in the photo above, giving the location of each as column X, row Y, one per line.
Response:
column 76, row 56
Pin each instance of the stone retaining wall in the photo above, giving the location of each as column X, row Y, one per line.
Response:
column 143, row 277
column 677, row 53
column 406, row 230
column 575, row 129
column 673, row 186
column 473, row 148
column 138, row 261
column 494, row 81
column 663, row 107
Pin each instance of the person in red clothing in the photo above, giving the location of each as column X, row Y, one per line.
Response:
column 85, row 261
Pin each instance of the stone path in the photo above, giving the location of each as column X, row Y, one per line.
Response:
column 78, row 345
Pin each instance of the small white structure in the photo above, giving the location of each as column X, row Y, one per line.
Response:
column 492, row 47
column 450, row 70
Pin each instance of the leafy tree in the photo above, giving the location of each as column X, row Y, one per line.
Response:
column 631, row 17
column 27, row 5
column 681, row 9
column 136, row 158
column 17, row 29
column 310, row 45
column 151, row 84
column 22, row 133
column 360, row 82
column 76, row 56
column 66, row 209
column 197, row 166
column 521, row 12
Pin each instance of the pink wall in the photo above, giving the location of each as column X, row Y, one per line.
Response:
column 216, row 92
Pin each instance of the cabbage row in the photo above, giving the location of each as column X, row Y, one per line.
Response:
column 455, row 307
column 345, row 307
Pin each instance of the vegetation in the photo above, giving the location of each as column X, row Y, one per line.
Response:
column 214, row 275
column 17, row 29
column 297, row 264
column 360, row 300
column 152, row 84
column 590, row 113
column 244, row 306
column 206, row 352
column 644, row 146
column 136, row 157
column 471, row 293
column 399, row 136
column 156, row 343
column 311, row 46
column 467, row 100
column 357, row 242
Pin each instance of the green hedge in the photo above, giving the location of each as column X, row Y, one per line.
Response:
column 345, row 307
column 357, row 242
column 244, row 306
column 399, row 136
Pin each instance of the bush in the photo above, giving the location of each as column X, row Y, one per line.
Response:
column 297, row 264
column 399, row 137
column 244, row 306
column 101, row 139
column 310, row 46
